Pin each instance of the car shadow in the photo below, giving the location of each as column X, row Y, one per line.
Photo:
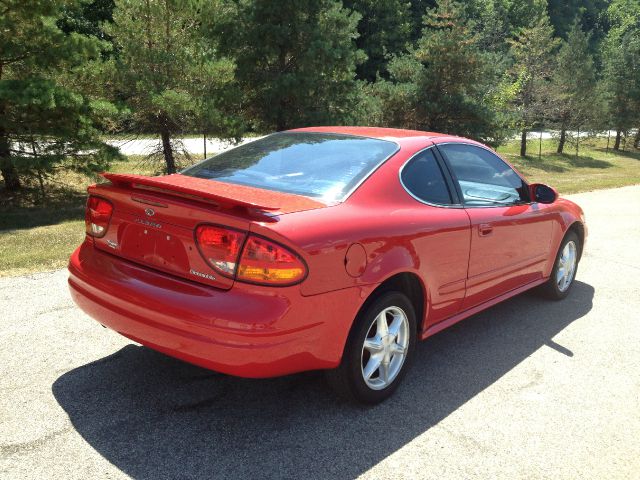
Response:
column 152, row 416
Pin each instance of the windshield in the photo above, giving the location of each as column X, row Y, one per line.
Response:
column 324, row 165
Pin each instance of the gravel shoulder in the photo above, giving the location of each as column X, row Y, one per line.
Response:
column 527, row 389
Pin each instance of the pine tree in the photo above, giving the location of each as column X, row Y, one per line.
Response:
column 384, row 30
column 44, row 121
column 497, row 20
column 296, row 60
column 418, row 9
column 169, row 74
column 443, row 84
column 573, row 84
column 87, row 17
column 564, row 12
column 532, row 51
column 621, row 64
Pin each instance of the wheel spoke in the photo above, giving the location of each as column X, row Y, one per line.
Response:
column 372, row 365
column 384, row 372
column 381, row 324
column 398, row 349
column 395, row 326
column 374, row 345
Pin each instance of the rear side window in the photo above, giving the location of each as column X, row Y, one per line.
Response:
column 423, row 178
column 484, row 178
column 323, row 165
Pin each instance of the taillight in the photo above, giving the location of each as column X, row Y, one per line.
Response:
column 97, row 216
column 261, row 261
column 268, row 263
column 220, row 247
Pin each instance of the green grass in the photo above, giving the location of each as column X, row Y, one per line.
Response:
column 39, row 234
column 593, row 169
column 39, row 248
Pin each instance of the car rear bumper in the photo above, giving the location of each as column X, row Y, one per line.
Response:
column 248, row 331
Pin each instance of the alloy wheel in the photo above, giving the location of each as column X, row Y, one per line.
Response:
column 385, row 348
column 566, row 266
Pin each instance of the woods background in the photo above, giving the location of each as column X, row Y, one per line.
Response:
column 75, row 73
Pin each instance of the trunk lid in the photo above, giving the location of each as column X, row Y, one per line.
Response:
column 154, row 219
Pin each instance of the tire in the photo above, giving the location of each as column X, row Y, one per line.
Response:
column 348, row 379
column 559, row 285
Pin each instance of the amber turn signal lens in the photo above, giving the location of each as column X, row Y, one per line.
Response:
column 268, row 263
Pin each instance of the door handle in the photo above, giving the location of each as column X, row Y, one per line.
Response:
column 485, row 229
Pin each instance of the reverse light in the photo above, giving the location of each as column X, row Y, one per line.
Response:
column 220, row 247
column 97, row 216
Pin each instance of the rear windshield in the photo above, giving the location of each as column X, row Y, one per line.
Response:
column 324, row 165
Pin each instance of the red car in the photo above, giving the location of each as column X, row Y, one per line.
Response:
column 331, row 248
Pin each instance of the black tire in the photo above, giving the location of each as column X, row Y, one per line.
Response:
column 551, row 289
column 348, row 378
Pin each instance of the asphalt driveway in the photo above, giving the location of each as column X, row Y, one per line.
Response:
column 527, row 389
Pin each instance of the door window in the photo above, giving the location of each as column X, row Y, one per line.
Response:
column 484, row 178
column 423, row 178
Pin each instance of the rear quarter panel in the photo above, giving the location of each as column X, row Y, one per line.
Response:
column 368, row 217
column 392, row 228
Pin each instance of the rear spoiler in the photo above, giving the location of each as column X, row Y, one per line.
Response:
column 221, row 193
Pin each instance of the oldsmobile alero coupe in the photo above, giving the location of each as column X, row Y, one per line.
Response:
column 331, row 248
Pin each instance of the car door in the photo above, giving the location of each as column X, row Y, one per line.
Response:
column 510, row 235
column 442, row 233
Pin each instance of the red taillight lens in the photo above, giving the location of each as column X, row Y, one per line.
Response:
column 262, row 261
column 97, row 216
column 268, row 263
column 220, row 247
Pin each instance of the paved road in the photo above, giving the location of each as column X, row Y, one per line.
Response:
column 144, row 146
column 528, row 389
column 195, row 146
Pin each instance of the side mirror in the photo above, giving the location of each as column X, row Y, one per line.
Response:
column 542, row 193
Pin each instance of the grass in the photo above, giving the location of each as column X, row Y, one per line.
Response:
column 39, row 234
column 40, row 248
column 595, row 168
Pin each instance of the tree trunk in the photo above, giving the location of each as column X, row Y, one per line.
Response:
column 10, row 177
column 563, row 138
column 168, row 151
column 616, row 146
column 636, row 140
column 43, row 193
column 523, row 144
column 7, row 168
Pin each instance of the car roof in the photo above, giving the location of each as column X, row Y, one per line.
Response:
column 397, row 135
